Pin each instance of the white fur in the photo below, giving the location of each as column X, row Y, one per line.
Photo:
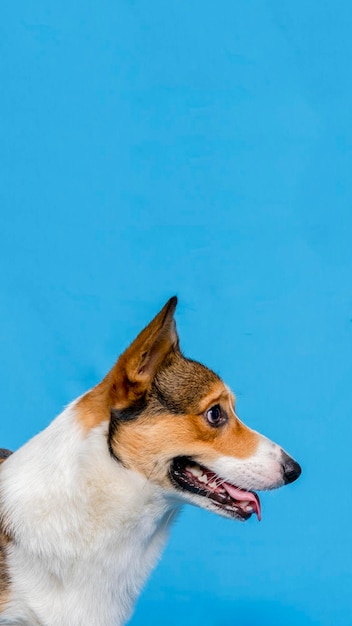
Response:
column 262, row 470
column 87, row 532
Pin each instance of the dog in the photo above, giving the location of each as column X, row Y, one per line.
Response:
column 86, row 505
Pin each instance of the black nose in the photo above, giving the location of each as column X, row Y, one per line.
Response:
column 291, row 469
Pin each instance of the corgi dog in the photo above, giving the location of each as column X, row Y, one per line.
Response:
column 86, row 505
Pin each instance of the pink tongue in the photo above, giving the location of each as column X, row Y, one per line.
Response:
column 244, row 496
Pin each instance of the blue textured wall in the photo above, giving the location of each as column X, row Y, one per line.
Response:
column 204, row 149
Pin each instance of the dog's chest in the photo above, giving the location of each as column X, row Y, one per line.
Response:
column 98, row 588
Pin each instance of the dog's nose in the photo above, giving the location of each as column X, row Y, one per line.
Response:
column 291, row 469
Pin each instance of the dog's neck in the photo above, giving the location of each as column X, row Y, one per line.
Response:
column 85, row 528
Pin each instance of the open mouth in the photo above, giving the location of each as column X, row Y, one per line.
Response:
column 233, row 501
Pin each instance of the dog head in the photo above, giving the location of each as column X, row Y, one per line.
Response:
column 174, row 421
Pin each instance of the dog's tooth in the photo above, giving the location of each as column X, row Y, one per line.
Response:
column 213, row 484
column 195, row 470
column 202, row 478
column 198, row 471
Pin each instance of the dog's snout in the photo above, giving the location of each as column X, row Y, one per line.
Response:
column 291, row 468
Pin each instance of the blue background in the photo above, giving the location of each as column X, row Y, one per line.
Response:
column 199, row 148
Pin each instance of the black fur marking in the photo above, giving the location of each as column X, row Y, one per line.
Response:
column 165, row 402
column 4, row 454
column 130, row 412
column 124, row 415
column 113, row 425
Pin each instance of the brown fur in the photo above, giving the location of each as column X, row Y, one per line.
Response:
column 4, row 454
column 4, row 541
column 4, row 576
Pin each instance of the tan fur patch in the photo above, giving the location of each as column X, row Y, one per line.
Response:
column 4, row 575
column 151, row 441
column 94, row 407
column 219, row 394
column 4, row 541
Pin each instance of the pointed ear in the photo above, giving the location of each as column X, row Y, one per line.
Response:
column 134, row 371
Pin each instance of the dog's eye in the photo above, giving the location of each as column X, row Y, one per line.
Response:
column 215, row 416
